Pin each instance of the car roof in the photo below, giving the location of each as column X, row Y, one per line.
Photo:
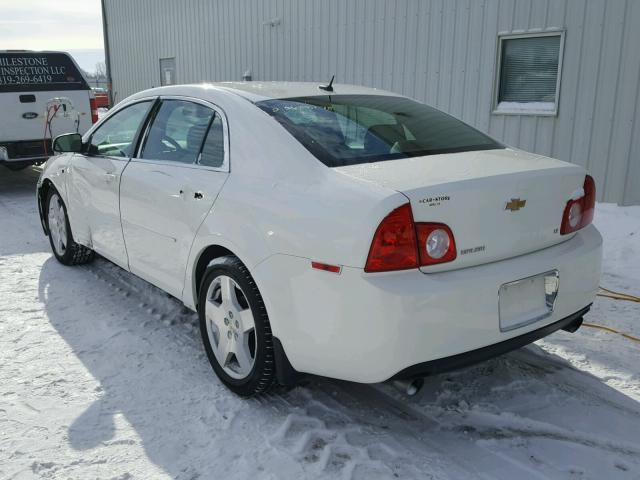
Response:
column 256, row 91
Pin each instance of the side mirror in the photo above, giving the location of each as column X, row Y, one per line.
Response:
column 69, row 142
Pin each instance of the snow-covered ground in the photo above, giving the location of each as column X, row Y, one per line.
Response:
column 103, row 376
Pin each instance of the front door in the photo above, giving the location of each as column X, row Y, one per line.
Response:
column 95, row 182
column 167, row 191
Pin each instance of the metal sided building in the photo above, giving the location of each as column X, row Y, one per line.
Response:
column 556, row 77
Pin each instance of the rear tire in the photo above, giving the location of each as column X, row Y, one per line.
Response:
column 235, row 328
column 64, row 248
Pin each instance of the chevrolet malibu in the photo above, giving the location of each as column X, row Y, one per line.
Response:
column 334, row 230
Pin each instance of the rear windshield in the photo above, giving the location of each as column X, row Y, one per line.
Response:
column 37, row 72
column 350, row 129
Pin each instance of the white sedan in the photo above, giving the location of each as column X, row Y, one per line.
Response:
column 340, row 231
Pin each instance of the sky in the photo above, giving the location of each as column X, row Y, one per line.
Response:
column 74, row 26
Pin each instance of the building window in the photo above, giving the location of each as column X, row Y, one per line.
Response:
column 528, row 76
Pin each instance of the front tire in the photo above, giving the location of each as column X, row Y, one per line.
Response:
column 235, row 328
column 65, row 249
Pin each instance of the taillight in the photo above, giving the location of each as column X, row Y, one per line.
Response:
column 578, row 213
column 394, row 243
column 401, row 244
column 435, row 243
column 94, row 110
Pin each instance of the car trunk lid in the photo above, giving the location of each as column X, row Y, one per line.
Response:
column 498, row 203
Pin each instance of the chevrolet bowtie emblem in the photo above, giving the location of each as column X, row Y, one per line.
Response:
column 515, row 204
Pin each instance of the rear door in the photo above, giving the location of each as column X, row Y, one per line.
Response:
column 167, row 191
column 95, row 180
column 31, row 83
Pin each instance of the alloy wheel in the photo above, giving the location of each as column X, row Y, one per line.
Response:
column 230, row 327
column 57, row 224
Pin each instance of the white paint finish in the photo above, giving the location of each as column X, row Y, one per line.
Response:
column 161, row 215
column 477, row 187
column 434, row 170
column 93, row 200
column 409, row 317
column 279, row 208
column 257, row 91
column 440, row 52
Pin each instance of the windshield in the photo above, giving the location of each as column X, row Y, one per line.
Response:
column 39, row 71
column 350, row 129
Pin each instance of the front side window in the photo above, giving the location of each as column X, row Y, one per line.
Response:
column 115, row 137
column 528, row 74
column 177, row 132
column 351, row 129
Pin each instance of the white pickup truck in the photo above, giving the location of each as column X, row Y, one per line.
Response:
column 42, row 95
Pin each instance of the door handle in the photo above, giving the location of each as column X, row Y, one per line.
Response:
column 110, row 177
column 197, row 195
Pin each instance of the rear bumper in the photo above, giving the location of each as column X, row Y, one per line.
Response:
column 371, row 327
column 24, row 151
column 572, row 322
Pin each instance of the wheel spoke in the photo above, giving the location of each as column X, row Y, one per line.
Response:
column 246, row 320
column 228, row 292
column 214, row 313
column 225, row 349
column 243, row 355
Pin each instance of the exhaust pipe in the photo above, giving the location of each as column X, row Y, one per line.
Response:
column 409, row 387
column 573, row 326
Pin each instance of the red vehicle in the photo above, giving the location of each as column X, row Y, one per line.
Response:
column 102, row 97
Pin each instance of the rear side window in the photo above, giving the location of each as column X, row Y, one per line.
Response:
column 351, row 129
column 213, row 148
column 37, row 72
column 177, row 132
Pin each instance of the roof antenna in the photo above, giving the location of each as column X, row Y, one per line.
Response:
column 327, row 88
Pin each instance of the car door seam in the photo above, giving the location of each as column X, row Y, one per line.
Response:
column 193, row 240
column 124, row 240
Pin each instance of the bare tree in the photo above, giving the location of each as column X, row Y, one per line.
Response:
column 101, row 70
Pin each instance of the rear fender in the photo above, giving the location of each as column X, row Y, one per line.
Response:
column 207, row 238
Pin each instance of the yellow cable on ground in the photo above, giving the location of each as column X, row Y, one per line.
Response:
column 611, row 330
column 605, row 292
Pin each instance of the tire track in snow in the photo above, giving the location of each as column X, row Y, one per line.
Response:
column 326, row 446
column 316, row 428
